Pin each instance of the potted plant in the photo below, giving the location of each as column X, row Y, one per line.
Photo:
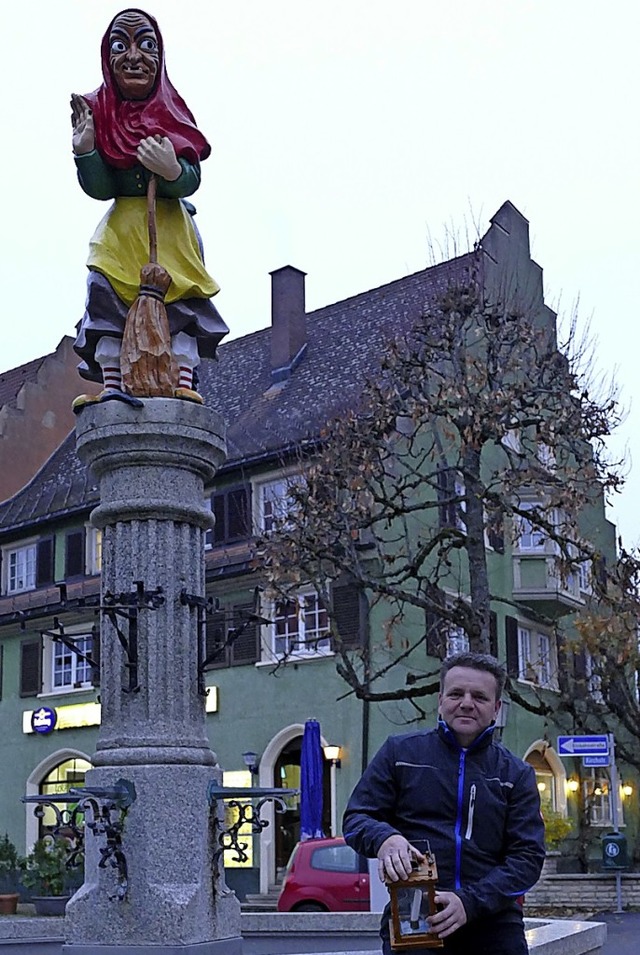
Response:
column 9, row 876
column 556, row 829
column 46, row 874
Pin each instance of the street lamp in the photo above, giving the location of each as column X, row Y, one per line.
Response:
column 251, row 761
column 332, row 754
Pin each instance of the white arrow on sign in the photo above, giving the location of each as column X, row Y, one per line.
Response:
column 591, row 745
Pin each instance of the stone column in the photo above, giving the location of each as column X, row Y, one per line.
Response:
column 152, row 463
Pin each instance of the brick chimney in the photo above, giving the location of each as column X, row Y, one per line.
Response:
column 288, row 321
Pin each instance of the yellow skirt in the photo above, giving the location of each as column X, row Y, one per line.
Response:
column 120, row 247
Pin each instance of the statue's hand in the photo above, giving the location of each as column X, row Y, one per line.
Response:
column 156, row 153
column 83, row 139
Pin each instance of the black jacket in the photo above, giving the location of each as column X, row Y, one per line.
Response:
column 478, row 808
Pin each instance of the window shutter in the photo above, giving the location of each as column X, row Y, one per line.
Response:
column 1, row 667
column 580, row 674
column 238, row 511
column 511, row 634
column 493, row 634
column 436, row 641
column 216, row 638
column 74, row 554
column 442, row 481
column 30, row 667
column 244, row 648
column 95, row 654
column 44, row 562
column 349, row 612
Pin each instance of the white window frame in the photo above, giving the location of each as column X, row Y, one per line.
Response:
column 511, row 440
column 598, row 803
column 529, row 539
column 19, row 579
column 585, row 572
column 272, row 500
column 93, row 550
column 317, row 646
column 535, row 657
column 53, row 650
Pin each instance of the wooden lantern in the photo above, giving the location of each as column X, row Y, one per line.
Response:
column 412, row 903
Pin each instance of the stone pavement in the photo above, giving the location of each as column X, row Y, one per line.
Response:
column 623, row 932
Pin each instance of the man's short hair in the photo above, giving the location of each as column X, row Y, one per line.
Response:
column 476, row 661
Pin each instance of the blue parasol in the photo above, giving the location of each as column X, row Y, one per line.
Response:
column 311, row 783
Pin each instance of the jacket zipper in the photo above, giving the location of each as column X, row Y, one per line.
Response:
column 458, row 830
column 472, row 805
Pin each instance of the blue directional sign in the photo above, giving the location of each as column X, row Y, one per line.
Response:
column 583, row 745
column 595, row 761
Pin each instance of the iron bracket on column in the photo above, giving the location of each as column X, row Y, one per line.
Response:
column 103, row 810
column 241, row 800
column 128, row 606
column 202, row 606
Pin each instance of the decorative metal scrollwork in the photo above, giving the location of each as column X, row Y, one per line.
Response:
column 248, row 813
column 103, row 811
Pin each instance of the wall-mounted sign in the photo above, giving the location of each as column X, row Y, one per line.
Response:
column 43, row 720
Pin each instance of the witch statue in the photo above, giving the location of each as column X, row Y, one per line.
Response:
column 136, row 142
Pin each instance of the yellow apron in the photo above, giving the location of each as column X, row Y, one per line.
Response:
column 120, row 247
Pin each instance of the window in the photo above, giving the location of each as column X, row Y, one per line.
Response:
column 93, row 551
column 275, row 501
column 534, row 657
column 597, row 797
column 335, row 859
column 457, row 641
column 21, row 570
column 511, row 440
column 300, row 627
column 65, row 667
column 69, row 669
column 593, row 678
column 67, row 775
column 584, row 576
column 28, row 566
column 452, row 505
column 528, row 536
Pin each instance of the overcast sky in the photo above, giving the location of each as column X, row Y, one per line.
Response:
column 350, row 138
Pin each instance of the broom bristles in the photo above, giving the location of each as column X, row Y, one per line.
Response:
column 149, row 369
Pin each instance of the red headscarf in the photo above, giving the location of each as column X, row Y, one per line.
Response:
column 121, row 123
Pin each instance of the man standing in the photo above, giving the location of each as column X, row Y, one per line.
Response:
column 475, row 804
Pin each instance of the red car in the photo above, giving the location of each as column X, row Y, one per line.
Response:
column 325, row 875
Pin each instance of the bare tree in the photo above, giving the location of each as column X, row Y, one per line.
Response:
column 479, row 432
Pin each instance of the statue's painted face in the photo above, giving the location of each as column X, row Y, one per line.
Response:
column 134, row 56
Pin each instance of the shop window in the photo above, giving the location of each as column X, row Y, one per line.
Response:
column 69, row 774
column 545, row 779
column 238, row 780
column 597, row 797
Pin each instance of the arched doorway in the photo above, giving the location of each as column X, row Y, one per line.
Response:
column 280, row 767
column 550, row 775
column 58, row 773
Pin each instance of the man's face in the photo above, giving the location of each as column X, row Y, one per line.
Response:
column 468, row 702
column 134, row 56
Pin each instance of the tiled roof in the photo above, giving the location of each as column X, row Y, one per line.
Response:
column 11, row 381
column 344, row 344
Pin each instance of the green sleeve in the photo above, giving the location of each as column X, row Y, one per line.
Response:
column 185, row 185
column 95, row 176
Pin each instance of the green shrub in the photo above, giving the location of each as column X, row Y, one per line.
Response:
column 45, row 868
column 556, row 828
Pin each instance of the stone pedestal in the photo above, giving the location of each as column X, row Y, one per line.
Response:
column 152, row 464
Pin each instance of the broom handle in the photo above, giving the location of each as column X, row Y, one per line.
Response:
column 151, row 219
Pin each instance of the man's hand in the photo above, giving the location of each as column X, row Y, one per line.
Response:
column 156, row 153
column 452, row 915
column 83, row 139
column 394, row 858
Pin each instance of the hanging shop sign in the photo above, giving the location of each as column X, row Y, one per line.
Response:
column 44, row 720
